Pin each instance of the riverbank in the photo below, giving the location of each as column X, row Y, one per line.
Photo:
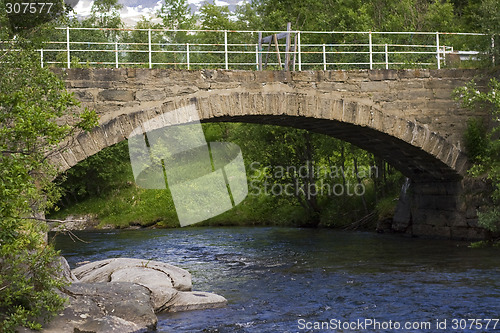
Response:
column 130, row 207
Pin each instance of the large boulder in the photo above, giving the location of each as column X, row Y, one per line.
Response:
column 121, row 307
column 65, row 270
column 170, row 286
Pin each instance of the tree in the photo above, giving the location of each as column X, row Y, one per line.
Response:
column 31, row 100
column 486, row 153
column 176, row 14
column 105, row 14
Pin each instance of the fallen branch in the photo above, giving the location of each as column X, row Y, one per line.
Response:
column 52, row 220
column 361, row 222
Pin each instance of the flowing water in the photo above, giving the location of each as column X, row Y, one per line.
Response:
column 304, row 280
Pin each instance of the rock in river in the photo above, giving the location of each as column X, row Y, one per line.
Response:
column 170, row 286
column 123, row 295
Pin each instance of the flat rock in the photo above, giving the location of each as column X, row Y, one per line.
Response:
column 170, row 286
column 121, row 307
column 195, row 300
column 102, row 271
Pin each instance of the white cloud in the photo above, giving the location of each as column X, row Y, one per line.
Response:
column 83, row 8
column 220, row 3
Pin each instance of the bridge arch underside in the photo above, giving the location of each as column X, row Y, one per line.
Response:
column 412, row 161
column 435, row 166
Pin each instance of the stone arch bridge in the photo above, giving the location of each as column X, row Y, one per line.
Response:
column 407, row 117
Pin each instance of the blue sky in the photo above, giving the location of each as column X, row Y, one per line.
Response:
column 133, row 10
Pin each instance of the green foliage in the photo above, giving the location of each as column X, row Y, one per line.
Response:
column 28, row 271
column 95, row 175
column 487, row 154
column 386, row 207
column 176, row 14
column 31, row 99
column 105, row 14
column 476, row 142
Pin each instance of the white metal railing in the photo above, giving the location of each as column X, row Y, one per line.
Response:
column 241, row 49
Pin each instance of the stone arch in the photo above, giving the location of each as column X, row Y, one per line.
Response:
column 416, row 151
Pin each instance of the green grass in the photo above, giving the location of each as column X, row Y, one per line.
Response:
column 125, row 204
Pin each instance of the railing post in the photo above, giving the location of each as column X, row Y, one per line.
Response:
column 324, row 57
column 257, row 57
column 386, row 57
column 225, row 50
column 116, row 54
column 67, row 47
column 371, row 48
column 438, row 56
column 149, row 46
column 41, row 58
column 298, row 49
column 187, row 54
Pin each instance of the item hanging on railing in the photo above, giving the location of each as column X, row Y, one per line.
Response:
column 274, row 38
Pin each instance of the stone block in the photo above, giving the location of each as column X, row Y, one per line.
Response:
column 202, row 106
column 58, row 161
column 415, row 94
column 109, row 74
column 382, row 74
column 413, row 73
column 420, row 136
column 100, row 138
column 83, row 95
column 150, row 95
column 407, row 84
column 118, row 95
column 240, row 75
column 78, row 151
column 364, row 115
column 358, row 75
column 87, row 143
column 408, row 131
column 264, row 76
column 437, row 83
column 69, row 157
column 90, row 84
column 304, row 76
column 217, row 85
column 336, row 76
column 78, row 74
column 350, row 112
column 384, row 97
column 374, row 86
column 337, row 109
column 113, row 131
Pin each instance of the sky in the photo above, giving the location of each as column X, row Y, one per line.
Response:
column 133, row 10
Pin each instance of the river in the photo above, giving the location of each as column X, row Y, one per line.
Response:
column 305, row 280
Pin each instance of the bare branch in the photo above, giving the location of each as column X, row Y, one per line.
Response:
column 51, row 220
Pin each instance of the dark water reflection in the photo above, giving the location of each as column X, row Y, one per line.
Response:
column 274, row 277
